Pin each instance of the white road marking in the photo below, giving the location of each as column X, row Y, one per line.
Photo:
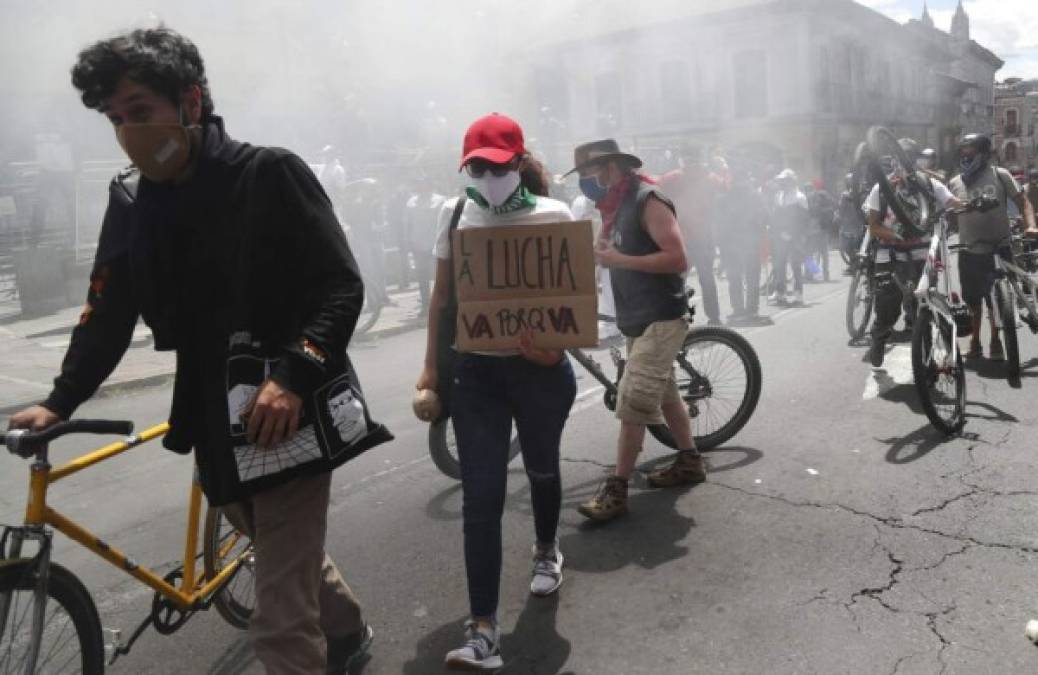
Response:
column 896, row 371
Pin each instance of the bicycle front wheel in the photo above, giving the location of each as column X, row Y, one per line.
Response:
column 859, row 302
column 222, row 543
column 940, row 377
column 1007, row 313
column 70, row 640
column 719, row 379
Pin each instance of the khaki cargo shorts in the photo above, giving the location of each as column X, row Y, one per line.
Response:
column 648, row 382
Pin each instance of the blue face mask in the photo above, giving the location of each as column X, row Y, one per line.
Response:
column 592, row 189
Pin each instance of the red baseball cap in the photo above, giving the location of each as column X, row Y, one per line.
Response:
column 495, row 138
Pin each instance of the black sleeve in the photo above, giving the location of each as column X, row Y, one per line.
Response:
column 99, row 341
column 331, row 281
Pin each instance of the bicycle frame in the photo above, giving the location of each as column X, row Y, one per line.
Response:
column 1017, row 279
column 193, row 590
column 934, row 287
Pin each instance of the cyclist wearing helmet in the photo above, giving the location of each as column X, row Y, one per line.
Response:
column 982, row 234
column 899, row 261
column 927, row 162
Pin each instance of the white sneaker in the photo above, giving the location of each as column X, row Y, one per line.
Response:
column 798, row 297
column 480, row 651
column 547, row 570
column 775, row 298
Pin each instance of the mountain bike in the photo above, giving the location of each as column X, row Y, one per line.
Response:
column 718, row 375
column 48, row 621
column 1013, row 297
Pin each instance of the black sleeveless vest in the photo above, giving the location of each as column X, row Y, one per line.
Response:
column 642, row 298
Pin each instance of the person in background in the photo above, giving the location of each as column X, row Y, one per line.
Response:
column 421, row 217
column 1032, row 189
column 396, row 226
column 584, row 209
column 787, row 228
column 821, row 207
column 692, row 189
column 741, row 217
column 850, row 222
column 534, row 387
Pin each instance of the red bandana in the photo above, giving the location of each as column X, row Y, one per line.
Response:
column 610, row 204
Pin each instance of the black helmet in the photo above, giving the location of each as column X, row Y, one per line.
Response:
column 910, row 147
column 929, row 153
column 1033, row 174
column 980, row 142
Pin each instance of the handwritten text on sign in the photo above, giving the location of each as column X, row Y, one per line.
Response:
column 540, row 277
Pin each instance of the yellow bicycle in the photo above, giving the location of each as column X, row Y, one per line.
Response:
column 48, row 621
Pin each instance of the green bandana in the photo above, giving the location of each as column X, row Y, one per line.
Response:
column 520, row 199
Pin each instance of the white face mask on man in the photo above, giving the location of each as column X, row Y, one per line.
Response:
column 497, row 189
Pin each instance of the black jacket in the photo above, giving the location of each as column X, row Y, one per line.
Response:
column 244, row 271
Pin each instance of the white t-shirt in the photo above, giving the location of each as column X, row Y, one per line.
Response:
column 917, row 251
column 544, row 211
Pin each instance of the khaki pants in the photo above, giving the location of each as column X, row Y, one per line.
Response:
column 301, row 600
column 648, row 382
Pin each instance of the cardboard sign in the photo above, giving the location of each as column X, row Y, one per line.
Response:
column 540, row 277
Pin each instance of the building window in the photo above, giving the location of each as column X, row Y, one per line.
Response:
column 676, row 94
column 750, row 83
column 608, row 104
column 1009, row 153
column 1012, row 123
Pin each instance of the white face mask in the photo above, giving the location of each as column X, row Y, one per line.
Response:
column 497, row 189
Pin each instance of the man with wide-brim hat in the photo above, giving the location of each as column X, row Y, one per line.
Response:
column 642, row 246
column 597, row 153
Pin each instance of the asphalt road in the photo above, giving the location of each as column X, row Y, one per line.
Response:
column 837, row 532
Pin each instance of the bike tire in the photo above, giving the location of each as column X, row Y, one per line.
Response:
column 858, row 302
column 67, row 591
column 696, row 339
column 1007, row 313
column 443, row 449
column 882, row 143
column 235, row 607
column 922, row 373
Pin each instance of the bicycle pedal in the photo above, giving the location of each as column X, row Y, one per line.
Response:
column 113, row 641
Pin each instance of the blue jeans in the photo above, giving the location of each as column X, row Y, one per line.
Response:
column 489, row 392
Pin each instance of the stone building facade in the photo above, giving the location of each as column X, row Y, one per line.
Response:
column 1016, row 123
column 785, row 82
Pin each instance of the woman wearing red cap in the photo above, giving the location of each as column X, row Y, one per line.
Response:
column 535, row 387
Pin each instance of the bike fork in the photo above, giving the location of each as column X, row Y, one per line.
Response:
column 41, row 566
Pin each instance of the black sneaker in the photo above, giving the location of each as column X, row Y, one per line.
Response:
column 877, row 350
column 345, row 652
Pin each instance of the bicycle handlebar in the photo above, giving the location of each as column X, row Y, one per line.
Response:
column 25, row 443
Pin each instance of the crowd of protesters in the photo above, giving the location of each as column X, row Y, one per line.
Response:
column 234, row 252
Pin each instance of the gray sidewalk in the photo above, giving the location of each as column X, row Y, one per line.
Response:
column 32, row 348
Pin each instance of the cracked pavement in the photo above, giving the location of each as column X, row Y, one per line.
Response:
column 901, row 552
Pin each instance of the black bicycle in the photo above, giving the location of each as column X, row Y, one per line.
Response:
column 718, row 375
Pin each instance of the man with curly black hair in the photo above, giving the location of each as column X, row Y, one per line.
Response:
column 233, row 256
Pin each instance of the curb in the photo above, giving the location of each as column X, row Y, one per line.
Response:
column 121, row 387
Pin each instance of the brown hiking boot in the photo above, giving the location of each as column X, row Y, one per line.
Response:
column 609, row 502
column 688, row 468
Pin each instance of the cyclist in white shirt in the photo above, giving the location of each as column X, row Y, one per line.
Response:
column 897, row 259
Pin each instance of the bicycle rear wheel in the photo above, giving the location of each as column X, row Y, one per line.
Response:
column 443, row 448
column 1007, row 314
column 719, row 378
column 940, row 378
column 71, row 639
column 860, row 299
column 223, row 543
